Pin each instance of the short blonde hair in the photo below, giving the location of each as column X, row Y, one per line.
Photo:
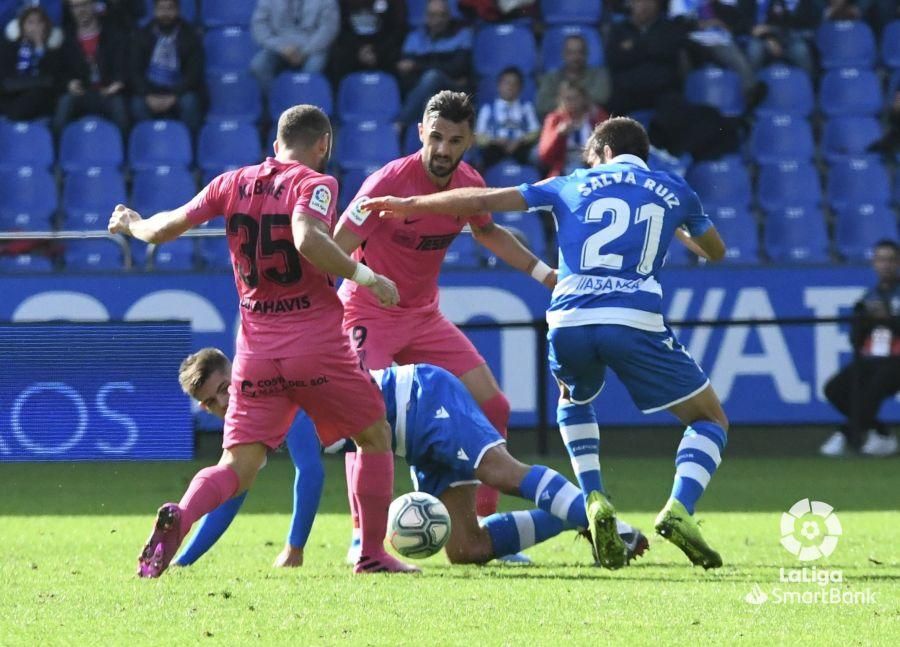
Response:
column 197, row 367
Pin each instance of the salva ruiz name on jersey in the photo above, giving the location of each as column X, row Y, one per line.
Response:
column 619, row 177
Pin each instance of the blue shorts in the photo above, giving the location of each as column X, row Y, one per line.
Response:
column 447, row 434
column 657, row 371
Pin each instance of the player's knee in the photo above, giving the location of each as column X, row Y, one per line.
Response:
column 499, row 469
column 245, row 461
column 374, row 438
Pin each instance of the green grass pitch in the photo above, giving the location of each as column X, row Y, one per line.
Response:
column 69, row 536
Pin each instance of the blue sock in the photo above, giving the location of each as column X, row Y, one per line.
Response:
column 552, row 493
column 512, row 532
column 303, row 446
column 581, row 434
column 699, row 454
column 210, row 528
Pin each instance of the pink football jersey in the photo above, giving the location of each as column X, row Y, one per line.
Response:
column 284, row 299
column 408, row 251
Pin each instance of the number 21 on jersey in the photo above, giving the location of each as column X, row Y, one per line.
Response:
column 619, row 213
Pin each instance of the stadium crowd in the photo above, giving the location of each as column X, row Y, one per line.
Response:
column 784, row 114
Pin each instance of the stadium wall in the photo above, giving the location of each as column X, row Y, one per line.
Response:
column 765, row 374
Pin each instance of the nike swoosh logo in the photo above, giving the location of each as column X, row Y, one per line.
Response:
column 407, row 221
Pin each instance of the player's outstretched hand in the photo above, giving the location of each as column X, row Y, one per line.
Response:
column 388, row 206
column 121, row 220
column 386, row 290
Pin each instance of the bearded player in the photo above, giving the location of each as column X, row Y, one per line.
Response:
column 411, row 251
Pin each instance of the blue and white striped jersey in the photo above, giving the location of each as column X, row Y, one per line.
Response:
column 614, row 224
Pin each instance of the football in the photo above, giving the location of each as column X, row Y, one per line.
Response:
column 418, row 525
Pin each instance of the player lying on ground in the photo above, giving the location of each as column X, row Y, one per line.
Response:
column 291, row 351
column 615, row 221
column 449, row 444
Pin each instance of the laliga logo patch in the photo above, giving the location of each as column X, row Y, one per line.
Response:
column 358, row 216
column 810, row 530
column 321, row 199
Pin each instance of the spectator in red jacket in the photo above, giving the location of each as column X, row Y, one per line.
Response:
column 95, row 61
column 566, row 130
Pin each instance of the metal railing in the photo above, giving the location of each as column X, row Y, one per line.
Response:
column 102, row 234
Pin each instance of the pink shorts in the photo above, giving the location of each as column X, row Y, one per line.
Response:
column 382, row 337
column 339, row 396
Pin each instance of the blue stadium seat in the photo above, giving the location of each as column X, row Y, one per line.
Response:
column 226, row 13
column 351, row 181
column 31, row 203
column 529, row 226
column 897, row 189
column 365, row 143
column 25, row 263
column 788, row 184
column 860, row 226
column 890, row 44
column 225, row 145
column 188, row 10
column 858, row 180
column 464, row 253
column 25, row 143
column 88, row 142
column 716, row 87
column 487, row 89
column 161, row 142
column 161, row 189
column 845, row 43
column 796, row 235
column 364, row 96
column 739, row 231
column 509, row 173
column 790, row 92
column 554, row 37
column 415, row 11
column 214, row 253
column 850, row 91
column 848, row 136
column 411, row 141
column 679, row 256
column 781, row 138
column 567, row 12
column 233, row 97
column 90, row 195
column 498, row 46
column 179, row 254
column 93, row 255
column 291, row 88
column 661, row 160
column 722, row 182
column 643, row 117
column 228, row 50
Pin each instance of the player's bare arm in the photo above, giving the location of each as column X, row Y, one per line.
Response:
column 501, row 242
column 710, row 243
column 457, row 202
column 685, row 239
column 159, row 228
column 314, row 242
column 346, row 239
